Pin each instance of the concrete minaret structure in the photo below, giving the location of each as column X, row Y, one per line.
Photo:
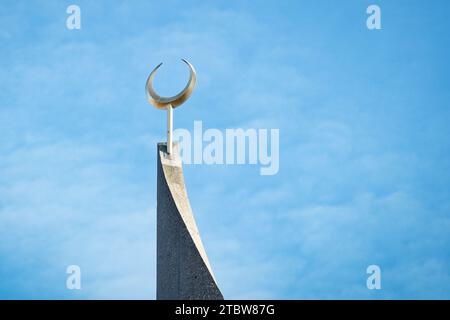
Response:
column 183, row 270
column 182, row 267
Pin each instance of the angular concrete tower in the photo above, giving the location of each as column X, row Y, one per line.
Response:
column 183, row 270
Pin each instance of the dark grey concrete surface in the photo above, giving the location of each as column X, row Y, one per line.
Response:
column 183, row 270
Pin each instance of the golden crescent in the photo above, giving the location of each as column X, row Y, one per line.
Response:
column 162, row 102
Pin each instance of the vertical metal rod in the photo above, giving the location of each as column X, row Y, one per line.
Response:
column 169, row 128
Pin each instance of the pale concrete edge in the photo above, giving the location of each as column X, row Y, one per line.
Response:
column 175, row 160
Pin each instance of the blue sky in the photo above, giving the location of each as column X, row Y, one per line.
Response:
column 364, row 149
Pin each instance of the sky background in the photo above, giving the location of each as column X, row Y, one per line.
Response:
column 364, row 146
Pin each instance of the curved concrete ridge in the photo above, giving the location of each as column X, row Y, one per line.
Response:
column 173, row 173
column 183, row 268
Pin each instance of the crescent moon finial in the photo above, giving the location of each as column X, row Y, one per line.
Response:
column 163, row 102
